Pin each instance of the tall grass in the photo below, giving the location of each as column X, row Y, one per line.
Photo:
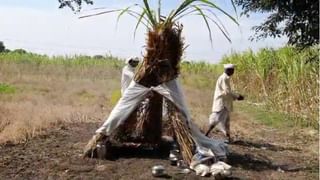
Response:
column 84, row 67
column 76, row 60
column 284, row 79
column 200, row 74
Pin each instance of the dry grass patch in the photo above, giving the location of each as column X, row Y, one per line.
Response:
column 52, row 95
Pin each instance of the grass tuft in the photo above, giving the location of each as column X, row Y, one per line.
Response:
column 115, row 96
column 7, row 89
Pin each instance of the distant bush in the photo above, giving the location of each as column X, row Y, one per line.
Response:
column 98, row 57
column 6, row 51
column 20, row 51
column 2, row 47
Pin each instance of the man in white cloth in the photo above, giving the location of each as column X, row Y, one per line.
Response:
column 128, row 73
column 223, row 102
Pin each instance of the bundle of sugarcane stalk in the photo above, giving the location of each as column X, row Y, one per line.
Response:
column 163, row 54
column 149, row 120
column 160, row 64
column 181, row 132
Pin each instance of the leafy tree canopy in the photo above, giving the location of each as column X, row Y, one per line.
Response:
column 297, row 19
column 2, row 47
column 75, row 5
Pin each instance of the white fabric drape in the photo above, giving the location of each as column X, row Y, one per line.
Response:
column 126, row 77
column 171, row 90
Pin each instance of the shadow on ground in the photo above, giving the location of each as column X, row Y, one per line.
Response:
column 251, row 162
column 263, row 145
column 139, row 152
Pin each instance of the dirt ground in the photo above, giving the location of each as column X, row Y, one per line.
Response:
column 258, row 152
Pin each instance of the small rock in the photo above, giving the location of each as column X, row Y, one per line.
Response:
column 185, row 171
column 280, row 170
column 226, row 172
column 312, row 132
column 101, row 168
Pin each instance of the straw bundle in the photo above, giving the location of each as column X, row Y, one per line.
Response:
column 163, row 54
column 181, row 132
column 150, row 129
column 161, row 64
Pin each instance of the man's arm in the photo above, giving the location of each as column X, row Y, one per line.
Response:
column 225, row 84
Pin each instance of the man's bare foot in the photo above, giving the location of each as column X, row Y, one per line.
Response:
column 229, row 139
column 92, row 145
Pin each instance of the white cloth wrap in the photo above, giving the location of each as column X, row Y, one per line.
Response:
column 171, row 90
column 126, row 77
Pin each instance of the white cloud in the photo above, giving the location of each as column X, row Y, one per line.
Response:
column 61, row 32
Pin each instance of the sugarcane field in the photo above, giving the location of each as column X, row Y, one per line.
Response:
column 159, row 89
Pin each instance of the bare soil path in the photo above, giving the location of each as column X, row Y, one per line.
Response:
column 258, row 152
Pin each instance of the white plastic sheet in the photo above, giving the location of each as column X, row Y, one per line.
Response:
column 171, row 90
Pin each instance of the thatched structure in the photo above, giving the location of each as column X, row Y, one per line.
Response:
column 160, row 64
column 164, row 49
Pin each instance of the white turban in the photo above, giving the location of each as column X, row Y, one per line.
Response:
column 132, row 59
column 228, row 66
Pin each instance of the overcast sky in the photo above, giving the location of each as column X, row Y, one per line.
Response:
column 39, row 26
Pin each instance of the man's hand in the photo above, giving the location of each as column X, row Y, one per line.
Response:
column 240, row 98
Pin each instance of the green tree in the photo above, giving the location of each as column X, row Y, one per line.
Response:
column 2, row 47
column 297, row 19
column 75, row 5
